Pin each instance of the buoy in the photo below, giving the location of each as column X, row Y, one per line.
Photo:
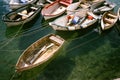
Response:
column 70, row 17
column 75, row 20
column 90, row 17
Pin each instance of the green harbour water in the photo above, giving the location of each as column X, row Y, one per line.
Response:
column 86, row 55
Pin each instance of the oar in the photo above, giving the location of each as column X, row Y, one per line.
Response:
column 44, row 48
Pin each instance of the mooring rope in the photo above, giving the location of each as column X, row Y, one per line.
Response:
column 82, row 44
column 26, row 33
column 12, row 37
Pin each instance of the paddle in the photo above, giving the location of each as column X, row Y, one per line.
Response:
column 44, row 48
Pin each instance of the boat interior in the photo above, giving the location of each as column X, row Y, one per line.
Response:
column 105, row 6
column 38, row 53
column 19, row 1
column 53, row 10
column 87, row 3
column 109, row 19
column 23, row 14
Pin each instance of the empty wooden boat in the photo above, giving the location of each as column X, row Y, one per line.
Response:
column 80, row 20
column 83, row 4
column 14, row 4
column 106, row 6
column 39, row 52
column 21, row 15
column 55, row 9
column 108, row 20
column 89, row 3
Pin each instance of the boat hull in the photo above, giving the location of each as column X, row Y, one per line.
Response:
column 108, row 20
column 11, row 23
column 25, row 62
column 61, row 24
column 53, row 10
column 14, row 4
column 53, row 16
column 106, row 6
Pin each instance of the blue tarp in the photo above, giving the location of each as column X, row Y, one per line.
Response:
column 23, row 1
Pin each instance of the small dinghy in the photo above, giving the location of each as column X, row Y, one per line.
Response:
column 106, row 6
column 83, row 4
column 14, row 4
column 108, row 20
column 39, row 52
column 89, row 3
column 21, row 15
column 74, row 22
column 55, row 9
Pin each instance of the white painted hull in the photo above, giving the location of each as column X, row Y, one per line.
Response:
column 52, row 16
column 14, row 4
column 60, row 24
column 53, row 10
column 40, row 52
column 108, row 22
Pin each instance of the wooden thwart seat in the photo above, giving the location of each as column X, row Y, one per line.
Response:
column 107, row 24
column 34, row 8
column 55, row 40
column 22, row 14
column 110, row 21
column 111, row 15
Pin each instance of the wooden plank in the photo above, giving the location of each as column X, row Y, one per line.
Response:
column 23, row 14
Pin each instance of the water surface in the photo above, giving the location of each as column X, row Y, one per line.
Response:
column 86, row 55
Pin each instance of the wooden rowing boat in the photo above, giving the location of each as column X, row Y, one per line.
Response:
column 75, row 23
column 21, row 15
column 106, row 6
column 86, row 4
column 55, row 9
column 39, row 52
column 108, row 20
column 14, row 4
column 89, row 3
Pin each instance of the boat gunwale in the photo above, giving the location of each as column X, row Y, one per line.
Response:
column 18, row 69
column 17, row 10
column 103, row 22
